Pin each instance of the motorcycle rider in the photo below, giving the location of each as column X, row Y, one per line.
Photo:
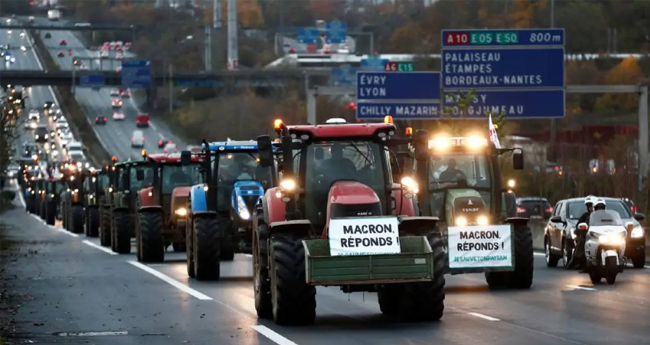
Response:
column 578, row 258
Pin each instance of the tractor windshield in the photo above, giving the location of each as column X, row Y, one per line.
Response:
column 458, row 171
column 238, row 166
column 179, row 175
column 329, row 162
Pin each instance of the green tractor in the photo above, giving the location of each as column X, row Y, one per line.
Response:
column 462, row 185
column 53, row 190
column 93, row 186
column 72, row 199
column 105, row 199
column 122, row 202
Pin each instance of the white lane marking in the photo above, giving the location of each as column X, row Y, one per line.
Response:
column 485, row 317
column 105, row 250
column 61, row 230
column 92, row 334
column 171, row 281
column 272, row 335
column 539, row 254
column 582, row 288
column 248, row 255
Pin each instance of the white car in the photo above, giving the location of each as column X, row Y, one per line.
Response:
column 170, row 148
column 34, row 115
column 115, row 93
column 66, row 138
column 61, row 121
column 23, row 49
column 137, row 139
column 117, row 116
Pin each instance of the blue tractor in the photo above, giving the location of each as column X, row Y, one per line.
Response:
column 219, row 210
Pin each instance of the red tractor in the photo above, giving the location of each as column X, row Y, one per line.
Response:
column 337, row 218
column 162, row 208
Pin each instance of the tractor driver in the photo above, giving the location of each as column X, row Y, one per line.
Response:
column 337, row 165
column 451, row 176
column 179, row 178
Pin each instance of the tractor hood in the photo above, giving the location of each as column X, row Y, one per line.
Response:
column 179, row 198
column 352, row 199
column 466, row 203
column 245, row 195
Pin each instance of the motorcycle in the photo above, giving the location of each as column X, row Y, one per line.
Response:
column 605, row 245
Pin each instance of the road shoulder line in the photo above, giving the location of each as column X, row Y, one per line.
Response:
column 105, row 250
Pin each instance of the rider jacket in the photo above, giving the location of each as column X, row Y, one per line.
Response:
column 584, row 218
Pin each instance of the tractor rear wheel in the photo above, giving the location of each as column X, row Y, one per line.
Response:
column 294, row 301
column 522, row 276
column 261, row 281
column 426, row 301
column 189, row 256
column 105, row 227
column 50, row 213
column 92, row 222
column 206, row 247
column 76, row 218
column 121, row 234
column 150, row 240
column 389, row 298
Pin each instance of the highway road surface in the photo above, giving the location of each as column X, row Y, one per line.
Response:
column 37, row 95
column 124, row 302
column 115, row 136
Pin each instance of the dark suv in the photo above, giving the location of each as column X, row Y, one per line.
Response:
column 559, row 232
column 534, row 207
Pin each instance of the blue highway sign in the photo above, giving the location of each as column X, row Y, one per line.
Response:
column 92, row 80
column 346, row 76
column 503, row 68
column 308, row 36
column 515, row 104
column 337, row 32
column 519, row 72
column 136, row 74
column 373, row 64
column 399, row 111
column 406, row 86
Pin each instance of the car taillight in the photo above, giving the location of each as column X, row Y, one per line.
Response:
column 97, row 118
column 520, row 209
column 549, row 210
column 634, row 209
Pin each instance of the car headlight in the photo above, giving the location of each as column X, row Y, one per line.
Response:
column 611, row 239
column 36, row 136
column 637, row 232
column 181, row 212
column 46, row 136
column 461, row 221
column 242, row 209
column 482, row 220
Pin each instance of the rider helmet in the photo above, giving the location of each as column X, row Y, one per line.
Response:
column 589, row 200
column 600, row 204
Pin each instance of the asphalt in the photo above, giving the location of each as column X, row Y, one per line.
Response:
column 115, row 136
column 98, row 291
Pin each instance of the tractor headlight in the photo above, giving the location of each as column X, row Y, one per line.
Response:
column 288, row 185
column 410, row 185
column 36, row 136
column 482, row 220
column 242, row 209
column 637, row 232
column 47, row 136
column 461, row 221
column 110, row 189
column 51, row 195
column 181, row 212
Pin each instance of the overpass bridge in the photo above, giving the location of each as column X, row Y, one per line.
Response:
column 254, row 78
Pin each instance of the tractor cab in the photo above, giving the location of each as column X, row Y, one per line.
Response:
column 127, row 184
column 94, row 184
column 463, row 187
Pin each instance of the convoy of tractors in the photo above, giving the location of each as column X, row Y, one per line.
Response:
column 357, row 206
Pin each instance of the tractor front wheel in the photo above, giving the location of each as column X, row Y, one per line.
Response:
column 92, row 222
column 76, row 219
column 50, row 213
column 189, row 256
column 294, row 301
column 261, row 281
column 522, row 276
column 150, row 239
column 206, row 248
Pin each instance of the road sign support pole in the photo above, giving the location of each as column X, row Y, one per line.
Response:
column 73, row 80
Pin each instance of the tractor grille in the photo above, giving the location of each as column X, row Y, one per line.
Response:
column 360, row 210
column 469, row 206
column 179, row 202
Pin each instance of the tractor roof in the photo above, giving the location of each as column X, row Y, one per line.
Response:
column 343, row 130
column 233, row 145
column 171, row 158
column 131, row 162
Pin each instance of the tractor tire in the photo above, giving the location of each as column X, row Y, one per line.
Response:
column 150, row 239
column 522, row 277
column 425, row 301
column 105, row 227
column 50, row 213
column 93, row 222
column 294, row 301
column 76, row 215
column 261, row 281
column 64, row 217
column 389, row 298
column 120, row 233
column 179, row 247
column 189, row 256
column 206, row 247
column 42, row 210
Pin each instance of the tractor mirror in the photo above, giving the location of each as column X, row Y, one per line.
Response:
column 518, row 160
column 265, row 150
column 139, row 175
column 421, row 145
column 186, row 158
